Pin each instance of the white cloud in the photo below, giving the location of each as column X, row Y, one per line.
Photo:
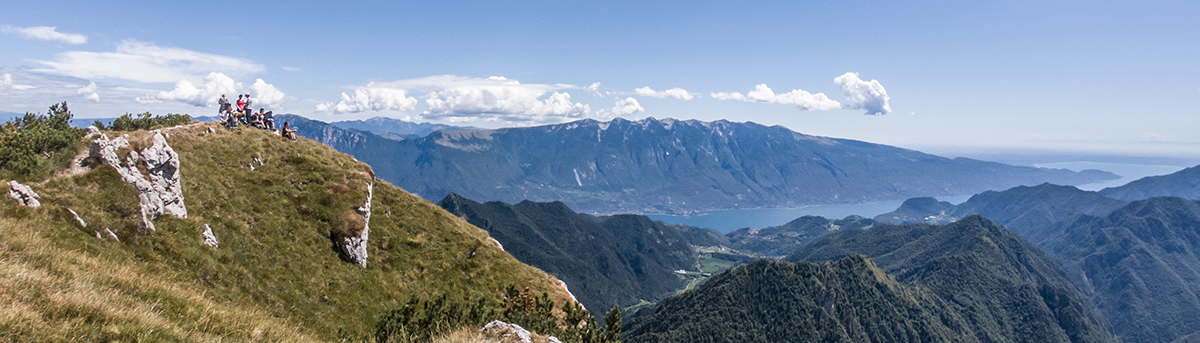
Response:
column 266, row 95
column 89, row 92
column 146, row 62
column 206, row 95
column 287, row 68
column 371, row 99
column 728, row 96
column 673, row 93
column 626, row 107
column 864, row 95
column 49, row 33
column 463, row 99
column 7, row 82
column 798, row 97
column 594, row 89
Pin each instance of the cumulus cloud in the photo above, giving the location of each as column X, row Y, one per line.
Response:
column 89, row 92
column 266, row 95
column 594, row 89
column 6, row 81
column 864, row 95
column 462, row 99
column 798, row 97
column 673, row 93
column 626, row 107
column 503, row 101
column 48, row 33
column 371, row 99
column 147, row 62
column 205, row 95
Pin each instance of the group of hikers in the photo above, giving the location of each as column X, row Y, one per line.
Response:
column 244, row 113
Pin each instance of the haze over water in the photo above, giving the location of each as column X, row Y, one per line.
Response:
column 726, row 221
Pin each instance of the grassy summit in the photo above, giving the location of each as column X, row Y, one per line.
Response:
column 276, row 207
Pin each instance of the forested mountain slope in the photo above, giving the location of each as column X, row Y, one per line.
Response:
column 850, row 300
column 1004, row 287
column 1141, row 265
column 606, row 261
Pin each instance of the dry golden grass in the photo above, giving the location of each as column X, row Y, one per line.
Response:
column 276, row 276
column 54, row 294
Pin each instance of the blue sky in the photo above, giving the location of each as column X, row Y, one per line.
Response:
column 1092, row 77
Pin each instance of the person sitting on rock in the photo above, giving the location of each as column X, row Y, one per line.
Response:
column 268, row 119
column 289, row 133
column 255, row 119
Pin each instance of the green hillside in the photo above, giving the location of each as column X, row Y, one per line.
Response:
column 1140, row 264
column 1006, row 289
column 850, row 300
column 781, row 240
column 277, row 207
column 606, row 261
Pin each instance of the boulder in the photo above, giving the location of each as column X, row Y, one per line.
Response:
column 507, row 331
column 24, row 195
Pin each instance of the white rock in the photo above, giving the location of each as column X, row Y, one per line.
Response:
column 112, row 235
column 209, row 238
column 356, row 246
column 80, row 220
column 507, row 331
column 163, row 191
column 24, row 195
column 563, row 284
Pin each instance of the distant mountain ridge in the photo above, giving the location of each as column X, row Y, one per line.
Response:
column 670, row 166
column 396, row 126
column 1022, row 209
column 1184, row 184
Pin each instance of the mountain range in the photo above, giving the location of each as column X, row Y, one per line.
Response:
column 1140, row 264
column 669, row 166
column 1137, row 260
column 968, row 281
column 1184, row 184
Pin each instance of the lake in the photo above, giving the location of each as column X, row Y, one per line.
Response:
column 726, row 221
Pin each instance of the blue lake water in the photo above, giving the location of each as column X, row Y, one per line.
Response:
column 729, row 220
column 1128, row 172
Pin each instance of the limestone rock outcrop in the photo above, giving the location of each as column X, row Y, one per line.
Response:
column 210, row 239
column 356, row 246
column 162, row 192
column 24, row 195
column 512, row 332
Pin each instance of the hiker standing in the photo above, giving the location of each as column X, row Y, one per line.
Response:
column 222, row 104
column 241, row 104
column 249, row 108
